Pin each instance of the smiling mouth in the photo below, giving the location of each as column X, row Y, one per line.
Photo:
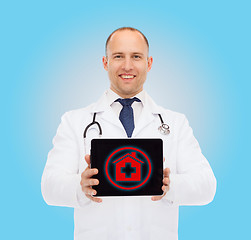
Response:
column 127, row 76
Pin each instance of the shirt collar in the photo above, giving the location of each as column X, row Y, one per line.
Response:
column 109, row 97
column 112, row 96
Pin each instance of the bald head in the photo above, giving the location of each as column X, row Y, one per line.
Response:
column 127, row 62
column 125, row 29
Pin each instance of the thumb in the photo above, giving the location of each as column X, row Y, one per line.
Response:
column 88, row 159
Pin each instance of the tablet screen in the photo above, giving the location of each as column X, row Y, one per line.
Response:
column 128, row 167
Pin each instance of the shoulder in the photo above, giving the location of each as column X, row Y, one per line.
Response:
column 175, row 120
column 83, row 115
column 173, row 115
column 79, row 112
column 77, row 116
column 168, row 114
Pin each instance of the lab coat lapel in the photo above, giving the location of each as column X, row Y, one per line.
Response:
column 106, row 112
column 109, row 116
column 145, row 118
column 148, row 114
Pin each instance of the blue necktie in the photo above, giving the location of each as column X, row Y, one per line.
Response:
column 126, row 114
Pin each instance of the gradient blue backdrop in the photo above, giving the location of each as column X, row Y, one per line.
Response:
column 51, row 63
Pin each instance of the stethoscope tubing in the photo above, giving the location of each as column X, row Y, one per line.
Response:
column 93, row 123
column 163, row 128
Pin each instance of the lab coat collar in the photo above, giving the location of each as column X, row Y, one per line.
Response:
column 151, row 106
column 149, row 111
column 102, row 104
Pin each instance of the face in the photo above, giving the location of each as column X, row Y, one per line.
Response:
column 127, row 62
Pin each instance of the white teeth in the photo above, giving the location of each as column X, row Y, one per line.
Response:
column 127, row 76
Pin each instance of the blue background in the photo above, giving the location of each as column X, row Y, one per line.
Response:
column 51, row 54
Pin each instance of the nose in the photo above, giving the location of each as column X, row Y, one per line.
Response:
column 127, row 64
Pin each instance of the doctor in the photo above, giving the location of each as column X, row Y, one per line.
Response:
column 67, row 179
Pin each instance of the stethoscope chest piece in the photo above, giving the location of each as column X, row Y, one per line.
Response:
column 164, row 129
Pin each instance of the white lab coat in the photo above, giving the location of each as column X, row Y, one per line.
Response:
column 192, row 180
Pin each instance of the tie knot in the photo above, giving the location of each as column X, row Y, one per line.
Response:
column 127, row 101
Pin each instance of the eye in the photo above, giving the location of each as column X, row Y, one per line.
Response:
column 118, row 56
column 137, row 56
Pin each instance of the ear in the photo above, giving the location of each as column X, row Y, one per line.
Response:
column 105, row 63
column 149, row 63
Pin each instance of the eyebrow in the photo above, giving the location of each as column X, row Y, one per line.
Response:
column 138, row 53
column 116, row 53
column 135, row 53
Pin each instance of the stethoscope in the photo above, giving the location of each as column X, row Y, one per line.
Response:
column 163, row 128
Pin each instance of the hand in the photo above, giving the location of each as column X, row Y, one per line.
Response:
column 87, row 182
column 166, row 184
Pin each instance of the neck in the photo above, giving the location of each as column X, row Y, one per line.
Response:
column 125, row 95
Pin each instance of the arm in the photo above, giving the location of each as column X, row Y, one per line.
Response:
column 194, row 182
column 61, row 178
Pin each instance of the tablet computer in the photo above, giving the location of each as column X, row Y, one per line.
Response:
column 128, row 167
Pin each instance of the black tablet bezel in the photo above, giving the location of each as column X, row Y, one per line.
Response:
column 101, row 149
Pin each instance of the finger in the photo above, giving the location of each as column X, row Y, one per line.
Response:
column 166, row 172
column 89, row 191
column 164, row 159
column 88, row 159
column 97, row 200
column 93, row 182
column 89, row 173
column 156, row 198
column 166, row 181
column 89, row 182
column 165, row 189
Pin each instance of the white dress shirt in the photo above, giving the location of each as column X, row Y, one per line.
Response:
column 117, row 107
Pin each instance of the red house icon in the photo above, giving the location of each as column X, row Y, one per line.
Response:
column 128, row 168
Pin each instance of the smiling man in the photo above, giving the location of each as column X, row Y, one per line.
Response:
column 127, row 62
column 126, row 111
